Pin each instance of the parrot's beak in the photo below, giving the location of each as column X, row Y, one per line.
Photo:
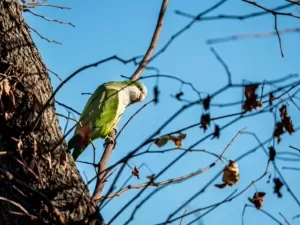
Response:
column 141, row 97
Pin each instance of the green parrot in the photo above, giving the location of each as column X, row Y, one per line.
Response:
column 103, row 111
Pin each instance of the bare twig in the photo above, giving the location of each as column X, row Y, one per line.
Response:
column 273, row 12
column 261, row 210
column 180, row 223
column 19, row 206
column 284, row 218
column 42, row 37
column 252, row 35
column 233, row 17
column 68, row 107
column 290, row 168
column 38, row 4
column 50, row 20
column 185, row 28
column 278, row 35
column 297, row 149
column 55, row 74
column 153, row 43
column 223, row 64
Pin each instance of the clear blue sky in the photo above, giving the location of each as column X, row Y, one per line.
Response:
column 124, row 28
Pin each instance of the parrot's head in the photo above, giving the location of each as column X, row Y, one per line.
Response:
column 138, row 92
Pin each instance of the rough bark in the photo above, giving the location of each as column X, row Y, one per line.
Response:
column 34, row 175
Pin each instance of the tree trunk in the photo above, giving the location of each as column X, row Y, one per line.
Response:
column 32, row 172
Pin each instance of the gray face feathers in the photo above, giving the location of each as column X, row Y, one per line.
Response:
column 138, row 92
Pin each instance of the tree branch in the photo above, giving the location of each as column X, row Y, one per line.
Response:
column 153, row 43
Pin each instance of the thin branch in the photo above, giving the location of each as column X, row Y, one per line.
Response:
column 148, row 151
column 252, row 35
column 68, row 107
column 290, row 168
column 284, row 218
column 67, row 117
column 294, row 2
column 233, row 17
column 223, row 64
column 55, row 74
column 42, row 37
column 153, row 43
column 180, row 223
column 297, row 149
column 50, row 20
column 278, row 35
column 185, row 28
column 261, row 210
column 270, row 10
column 37, row 4
column 19, row 206
column 211, row 209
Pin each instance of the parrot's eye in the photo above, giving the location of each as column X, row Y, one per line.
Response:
column 141, row 89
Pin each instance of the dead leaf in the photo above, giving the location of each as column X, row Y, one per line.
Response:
column 178, row 139
column 283, row 111
column 231, row 175
column 205, row 121
column 251, row 98
column 272, row 153
column 278, row 131
column 216, row 132
column 285, row 124
column 278, row 185
column 135, row 172
column 288, row 125
column 84, row 135
column 206, row 103
column 161, row 141
column 258, row 199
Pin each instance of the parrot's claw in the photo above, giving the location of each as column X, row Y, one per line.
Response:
column 115, row 129
column 109, row 140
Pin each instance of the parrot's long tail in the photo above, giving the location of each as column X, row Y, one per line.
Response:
column 73, row 144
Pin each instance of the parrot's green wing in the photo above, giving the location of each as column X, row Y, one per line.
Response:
column 101, row 112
